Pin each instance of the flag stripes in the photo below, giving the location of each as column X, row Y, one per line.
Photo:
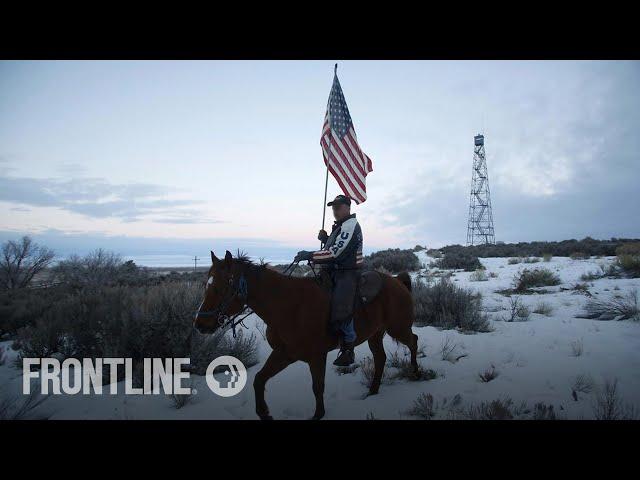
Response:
column 342, row 154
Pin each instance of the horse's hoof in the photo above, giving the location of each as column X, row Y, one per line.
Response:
column 369, row 393
column 265, row 417
column 317, row 417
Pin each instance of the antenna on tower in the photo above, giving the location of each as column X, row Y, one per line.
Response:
column 480, row 224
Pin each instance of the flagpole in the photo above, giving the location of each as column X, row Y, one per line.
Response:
column 324, row 204
column 326, row 178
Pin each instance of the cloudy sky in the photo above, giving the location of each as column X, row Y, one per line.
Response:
column 163, row 156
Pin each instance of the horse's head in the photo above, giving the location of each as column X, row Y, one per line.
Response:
column 224, row 294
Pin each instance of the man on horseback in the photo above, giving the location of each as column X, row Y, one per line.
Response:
column 341, row 257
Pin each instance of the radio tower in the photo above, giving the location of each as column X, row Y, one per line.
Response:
column 480, row 226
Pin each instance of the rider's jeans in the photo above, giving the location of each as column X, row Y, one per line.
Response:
column 342, row 302
column 348, row 332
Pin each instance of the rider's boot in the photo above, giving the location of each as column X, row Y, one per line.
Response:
column 346, row 356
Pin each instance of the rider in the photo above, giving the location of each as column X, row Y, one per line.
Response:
column 341, row 256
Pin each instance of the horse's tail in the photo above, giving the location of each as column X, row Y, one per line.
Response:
column 405, row 279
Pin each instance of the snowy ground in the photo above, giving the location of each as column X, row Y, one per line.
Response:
column 534, row 359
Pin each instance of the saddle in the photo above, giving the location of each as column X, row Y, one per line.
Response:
column 368, row 288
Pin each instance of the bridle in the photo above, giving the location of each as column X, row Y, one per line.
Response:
column 241, row 292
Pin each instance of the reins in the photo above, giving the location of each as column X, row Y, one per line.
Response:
column 240, row 291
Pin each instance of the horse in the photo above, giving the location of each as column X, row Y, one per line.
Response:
column 296, row 312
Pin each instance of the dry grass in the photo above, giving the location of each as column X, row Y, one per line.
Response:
column 489, row 374
column 543, row 308
column 620, row 307
column 577, row 348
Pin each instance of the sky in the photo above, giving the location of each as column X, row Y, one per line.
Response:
column 183, row 156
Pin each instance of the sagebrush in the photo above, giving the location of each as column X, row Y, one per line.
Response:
column 446, row 305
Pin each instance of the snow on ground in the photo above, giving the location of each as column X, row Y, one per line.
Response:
column 534, row 359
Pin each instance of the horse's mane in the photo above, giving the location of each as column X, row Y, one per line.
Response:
column 242, row 258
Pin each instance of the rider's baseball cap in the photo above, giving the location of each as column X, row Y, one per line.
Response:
column 340, row 199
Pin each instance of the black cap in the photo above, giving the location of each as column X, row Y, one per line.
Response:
column 340, row 199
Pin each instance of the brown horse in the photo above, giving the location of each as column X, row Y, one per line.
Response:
column 296, row 312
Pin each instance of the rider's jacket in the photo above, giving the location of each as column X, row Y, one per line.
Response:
column 343, row 249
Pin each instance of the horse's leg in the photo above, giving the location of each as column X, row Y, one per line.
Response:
column 379, row 360
column 410, row 339
column 318, row 366
column 277, row 361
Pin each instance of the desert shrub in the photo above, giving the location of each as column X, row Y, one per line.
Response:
column 433, row 253
column 579, row 256
column 631, row 248
column 423, row 407
column 459, row 260
column 448, row 350
column 591, row 276
column 180, row 400
column 132, row 323
column 514, row 261
column 629, row 258
column 22, row 307
column 620, row 307
column 609, row 406
column 531, row 260
column 21, row 407
column 367, row 369
column 518, row 311
column 393, row 260
column 577, row 348
column 542, row 411
column 543, row 308
column 489, row 374
column 563, row 248
column 583, row 383
column 537, row 277
column 581, row 288
column 479, row 275
column 505, row 409
column 445, row 305
column 406, row 371
column 499, row 409
column 547, row 257
column 97, row 269
column 419, row 248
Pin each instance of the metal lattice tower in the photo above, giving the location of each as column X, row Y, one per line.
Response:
column 480, row 226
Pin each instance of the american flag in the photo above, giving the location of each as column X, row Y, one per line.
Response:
column 346, row 161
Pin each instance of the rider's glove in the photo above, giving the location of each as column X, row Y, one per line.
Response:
column 323, row 236
column 303, row 255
